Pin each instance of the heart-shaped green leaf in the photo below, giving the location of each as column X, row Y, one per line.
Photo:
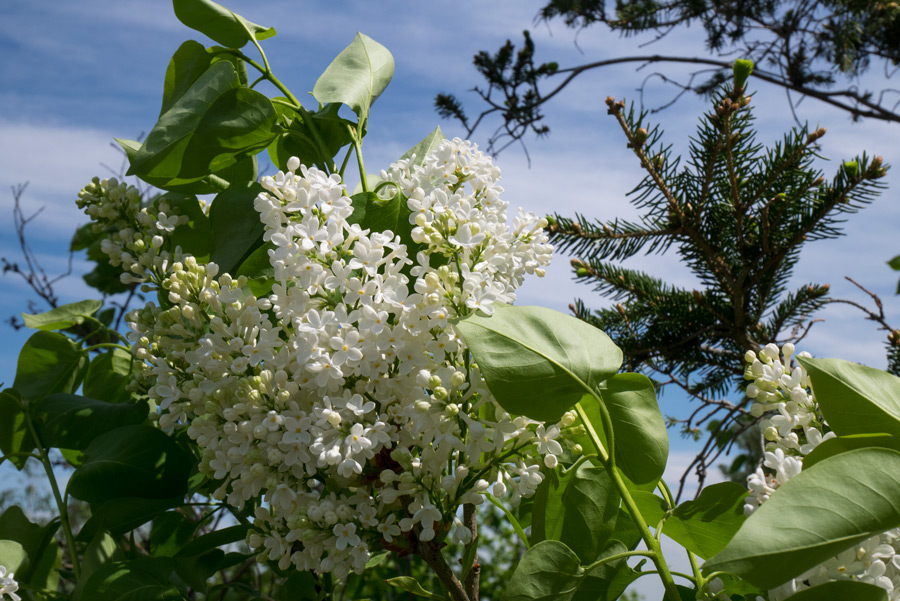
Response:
column 358, row 76
column 538, row 362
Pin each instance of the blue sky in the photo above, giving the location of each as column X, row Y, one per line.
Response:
column 77, row 74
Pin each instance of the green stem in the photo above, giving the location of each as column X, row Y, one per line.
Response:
column 18, row 454
column 359, row 159
column 695, row 568
column 345, row 161
column 652, row 544
column 314, row 130
column 106, row 345
column 622, row 555
column 60, row 504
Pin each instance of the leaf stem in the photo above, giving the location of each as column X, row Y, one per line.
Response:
column 357, row 144
column 624, row 554
column 655, row 553
column 106, row 345
column 512, row 519
column 61, row 505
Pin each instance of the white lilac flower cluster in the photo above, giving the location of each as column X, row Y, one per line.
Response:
column 344, row 401
column 792, row 427
column 8, row 585
column 135, row 233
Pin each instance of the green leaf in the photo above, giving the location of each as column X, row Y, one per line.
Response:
column 382, row 215
column 549, row 571
column 171, row 530
column 642, row 444
column 258, row 270
column 842, row 444
column 162, row 153
column 12, row 556
column 703, row 526
column 358, row 76
column 49, row 362
column 195, row 236
column 239, row 122
column 236, row 226
column 100, row 551
column 108, row 375
column 297, row 140
column 895, row 263
column 14, row 434
column 121, row 515
column 131, row 461
column 833, row 505
column 577, row 507
column 840, row 590
column 243, row 171
column 855, row 399
column 73, row 422
column 412, row 586
column 188, row 63
column 146, row 579
column 538, row 362
column 299, row 586
column 62, row 317
column 214, row 539
column 43, row 554
column 425, row 147
column 219, row 23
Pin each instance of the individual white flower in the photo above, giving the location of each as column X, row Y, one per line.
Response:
column 346, row 535
column 8, row 585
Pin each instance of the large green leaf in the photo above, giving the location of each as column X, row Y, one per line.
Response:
column 577, row 507
column 841, row 590
column 833, row 505
column 703, row 526
column 538, row 362
column 73, row 422
column 219, row 23
column 15, row 438
column 49, row 362
column 642, row 444
column 236, row 227
column 358, row 76
column 146, row 579
column 855, row 399
column 108, row 375
column 131, row 461
column 44, row 556
column 425, row 147
column 62, row 317
column 163, row 152
column 238, row 123
column 549, row 571
column 245, row 170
